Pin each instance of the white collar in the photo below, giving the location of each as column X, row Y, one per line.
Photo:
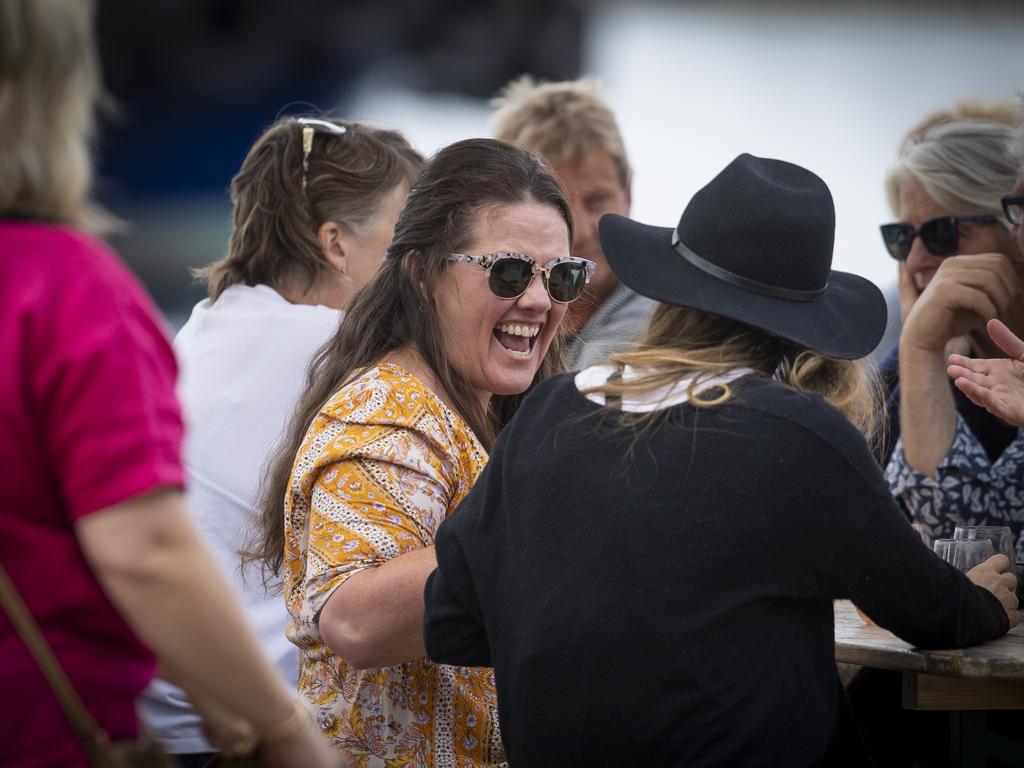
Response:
column 655, row 399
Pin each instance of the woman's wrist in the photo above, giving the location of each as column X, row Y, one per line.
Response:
column 297, row 721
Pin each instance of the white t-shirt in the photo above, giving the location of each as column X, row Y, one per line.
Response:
column 243, row 366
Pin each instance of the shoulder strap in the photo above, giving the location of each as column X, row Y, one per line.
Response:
column 86, row 730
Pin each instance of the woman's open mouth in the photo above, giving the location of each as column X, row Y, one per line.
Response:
column 517, row 338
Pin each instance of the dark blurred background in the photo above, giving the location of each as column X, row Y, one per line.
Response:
column 195, row 82
column 830, row 84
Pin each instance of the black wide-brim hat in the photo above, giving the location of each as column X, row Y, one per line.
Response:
column 755, row 246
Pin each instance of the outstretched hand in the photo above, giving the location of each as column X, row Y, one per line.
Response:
column 996, row 385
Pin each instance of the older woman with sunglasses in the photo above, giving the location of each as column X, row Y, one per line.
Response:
column 404, row 404
column 945, row 190
column 960, row 267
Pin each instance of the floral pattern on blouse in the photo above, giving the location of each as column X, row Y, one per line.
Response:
column 968, row 488
column 381, row 466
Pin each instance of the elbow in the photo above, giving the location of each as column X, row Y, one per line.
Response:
column 141, row 542
column 356, row 648
column 149, row 561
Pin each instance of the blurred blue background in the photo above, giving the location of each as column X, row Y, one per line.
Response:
column 832, row 86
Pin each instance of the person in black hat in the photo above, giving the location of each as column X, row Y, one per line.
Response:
column 650, row 557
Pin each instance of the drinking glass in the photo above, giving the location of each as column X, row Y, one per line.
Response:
column 1000, row 535
column 964, row 554
column 944, row 549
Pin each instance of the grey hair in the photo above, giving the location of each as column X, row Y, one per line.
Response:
column 1015, row 145
column 964, row 166
column 49, row 88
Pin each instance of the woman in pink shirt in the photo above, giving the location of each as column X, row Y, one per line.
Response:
column 93, row 531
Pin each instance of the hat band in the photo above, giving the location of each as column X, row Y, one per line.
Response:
column 775, row 291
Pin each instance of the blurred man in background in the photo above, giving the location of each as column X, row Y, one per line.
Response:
column 569, row 124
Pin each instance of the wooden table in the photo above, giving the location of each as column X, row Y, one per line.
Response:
column 967, row 682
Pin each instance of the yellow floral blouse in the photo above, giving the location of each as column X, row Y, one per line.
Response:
column 382, row 465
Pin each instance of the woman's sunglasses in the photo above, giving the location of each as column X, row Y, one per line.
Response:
column 941, row 236
column 509, row 274
column 1013, row 207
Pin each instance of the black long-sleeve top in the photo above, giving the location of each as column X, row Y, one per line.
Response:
column 664, row 598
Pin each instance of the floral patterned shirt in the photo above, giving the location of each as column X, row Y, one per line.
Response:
column 381, row 466
column 968, row 488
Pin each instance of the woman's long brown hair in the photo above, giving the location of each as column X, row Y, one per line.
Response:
column 396, row 309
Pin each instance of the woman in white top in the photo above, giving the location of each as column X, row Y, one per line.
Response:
column 315, row 204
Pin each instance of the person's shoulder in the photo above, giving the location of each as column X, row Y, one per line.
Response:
column 385, row 395
column 552, row 403
column 385, row 413
column 62, row 252
column 559, row 389
column 797, row 409
column 73, row 280
column 804, row 421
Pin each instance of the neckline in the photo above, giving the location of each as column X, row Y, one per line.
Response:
column 728, row 378
column 401, row 370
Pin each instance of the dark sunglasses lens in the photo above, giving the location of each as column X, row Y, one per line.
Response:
column 510, row 277
column 566, row 281
column 898, row 238
column 1013, row 207
column 941, row 236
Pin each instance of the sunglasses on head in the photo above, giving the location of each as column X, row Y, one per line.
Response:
column 941, row 236
column 509, row 274
column 309, row 128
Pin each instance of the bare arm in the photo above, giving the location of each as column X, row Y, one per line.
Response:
column 375, row 619
column 165, row 582
column 965, row 292
column 927, row 409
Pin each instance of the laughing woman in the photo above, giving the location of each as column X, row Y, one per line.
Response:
column 405, row 402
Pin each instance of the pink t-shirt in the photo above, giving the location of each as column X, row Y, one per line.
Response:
column 88, row 419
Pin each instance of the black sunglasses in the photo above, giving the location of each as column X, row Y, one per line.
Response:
column 509, row 274
column 941, row 236
column 1013, row 207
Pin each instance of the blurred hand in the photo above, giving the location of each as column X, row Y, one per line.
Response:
column 306, row 748
column 965, row 292
column 997, row 385
column 995, row 575
column 227, row 732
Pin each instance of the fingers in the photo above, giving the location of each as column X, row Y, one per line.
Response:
column 974, row 364
column 1009, row 602
column 1000, row 564
column 975, row 371
column 1006, row 588
column 990, row 274
column 980, row 395
column 1006, row 339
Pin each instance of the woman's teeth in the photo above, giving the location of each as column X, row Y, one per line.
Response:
column 529, row 331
